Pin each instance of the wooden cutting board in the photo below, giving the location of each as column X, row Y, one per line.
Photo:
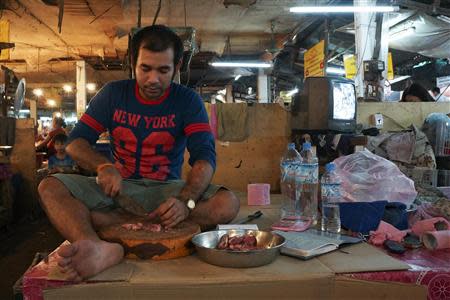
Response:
column 167, row 244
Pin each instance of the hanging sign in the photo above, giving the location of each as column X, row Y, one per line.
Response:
column 314, row 60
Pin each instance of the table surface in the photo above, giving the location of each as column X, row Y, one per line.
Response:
column 191, row 270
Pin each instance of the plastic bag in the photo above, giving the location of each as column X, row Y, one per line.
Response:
column 368, row 177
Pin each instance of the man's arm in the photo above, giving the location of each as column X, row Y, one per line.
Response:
column 108, row 176
column 198, row 180
column 82, row 152
column 174, row 210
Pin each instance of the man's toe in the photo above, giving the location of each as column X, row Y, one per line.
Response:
column 67, row 250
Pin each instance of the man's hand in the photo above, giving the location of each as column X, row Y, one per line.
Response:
column 171, row 212
column 110, row 181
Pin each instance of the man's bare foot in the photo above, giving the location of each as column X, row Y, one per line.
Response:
column 85, row 258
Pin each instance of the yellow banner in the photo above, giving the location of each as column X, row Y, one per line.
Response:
column 350, row 66
column 390, row 72
column 4, row 37
column 314, row 57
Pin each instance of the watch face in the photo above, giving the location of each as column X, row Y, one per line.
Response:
column 191, row 204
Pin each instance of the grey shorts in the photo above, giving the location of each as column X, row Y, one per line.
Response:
column 149, row 193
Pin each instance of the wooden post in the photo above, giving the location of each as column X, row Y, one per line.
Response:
column 81, row 88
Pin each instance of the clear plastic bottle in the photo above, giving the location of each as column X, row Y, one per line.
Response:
column 307, row 185
column 289, row 163
column 331, row 196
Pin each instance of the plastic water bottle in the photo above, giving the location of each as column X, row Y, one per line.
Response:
column 331, row 195
column 288, row 165
column 307, row 185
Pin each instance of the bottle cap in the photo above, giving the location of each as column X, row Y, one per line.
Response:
column 291, row 146
column 330, row 167
column 306, row 146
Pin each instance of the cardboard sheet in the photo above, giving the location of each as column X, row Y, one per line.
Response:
column 361, row 258
column 287, row 277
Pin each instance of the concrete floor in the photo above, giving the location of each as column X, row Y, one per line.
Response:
column 18, row 247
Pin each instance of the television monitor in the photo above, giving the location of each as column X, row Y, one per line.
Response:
column 326, row 103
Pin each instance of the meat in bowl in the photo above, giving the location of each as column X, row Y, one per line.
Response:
column 245, row 242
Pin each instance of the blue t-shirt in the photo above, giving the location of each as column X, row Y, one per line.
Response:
column 149, row 138
column 54, row 162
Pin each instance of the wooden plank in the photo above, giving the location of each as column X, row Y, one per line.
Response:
column 255, row 160
column 398, row 116
column 23, row 161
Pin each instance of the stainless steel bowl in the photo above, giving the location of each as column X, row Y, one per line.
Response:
column 268, row 242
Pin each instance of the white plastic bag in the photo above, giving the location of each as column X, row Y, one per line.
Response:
column 368, row 177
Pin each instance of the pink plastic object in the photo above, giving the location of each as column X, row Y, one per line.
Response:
column 292, row 224
column 258, row 194
column 419, row 228
column 386, row 231
column 437, row 239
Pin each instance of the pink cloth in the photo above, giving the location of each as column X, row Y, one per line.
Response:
column 419, row 228
column 386, row 231
column 437, row 239
column 258, row 194
column 430, row 268
column 213, row 120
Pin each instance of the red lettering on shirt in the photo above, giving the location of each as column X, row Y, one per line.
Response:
column 117, row 115
column 156, row 165
column 125, row 143
column 156, row 122
column 133, row 119
column 163, row 122
column 171, row 121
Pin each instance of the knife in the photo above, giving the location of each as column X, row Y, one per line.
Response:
column 128, row 204
column 249, row 218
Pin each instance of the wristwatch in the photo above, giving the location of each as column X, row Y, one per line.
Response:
column 190, row 204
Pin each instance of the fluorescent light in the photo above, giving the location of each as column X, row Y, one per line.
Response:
column 51, row 102
column 444, row 18
column 398, row 79
column 292, row 92
column 91, row 87
column 334, row 70
column 67, row 88
column 237, row 77
column 38, row 92
column 402, row 33
column 243, row 64
column 24, row 111
column 342, row 9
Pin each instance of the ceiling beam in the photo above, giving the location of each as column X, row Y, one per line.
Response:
column 27, row 11
column 434, row 8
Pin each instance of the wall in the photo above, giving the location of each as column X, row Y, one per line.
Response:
column 398, row 116
column 255, row 160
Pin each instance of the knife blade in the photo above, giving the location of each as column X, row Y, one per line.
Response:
column 128, row 204
column 131, row 206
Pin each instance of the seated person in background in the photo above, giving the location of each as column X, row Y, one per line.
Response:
column 61, row 162
column 416, row 93
column 48, row 144
column 438, row 97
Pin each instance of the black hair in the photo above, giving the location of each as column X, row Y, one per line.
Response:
column 59, row 121
column 156, row 38
column 436, row 90
column 61, row 137
column 419, row 91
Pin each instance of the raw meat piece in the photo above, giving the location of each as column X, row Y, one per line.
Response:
column 145, row 227
column 244, row 242
column 223, row 242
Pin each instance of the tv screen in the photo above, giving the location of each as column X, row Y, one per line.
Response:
column 344, row 101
